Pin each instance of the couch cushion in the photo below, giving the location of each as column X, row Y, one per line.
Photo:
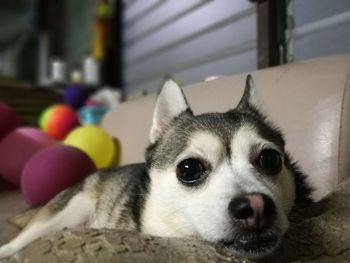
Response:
column 309, row 101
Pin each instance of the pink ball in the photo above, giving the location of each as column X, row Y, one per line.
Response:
column 52, row 170
column 9, row 120
column 92, row 102
column 17, row 148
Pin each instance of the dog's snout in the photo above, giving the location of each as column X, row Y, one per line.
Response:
column 254, row 211
column 240, row 208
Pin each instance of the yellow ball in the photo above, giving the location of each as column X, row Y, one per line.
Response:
column 95, row 142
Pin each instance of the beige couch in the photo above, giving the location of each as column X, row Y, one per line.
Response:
column 309, row 101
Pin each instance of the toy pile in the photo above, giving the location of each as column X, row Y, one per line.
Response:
column 67, row 146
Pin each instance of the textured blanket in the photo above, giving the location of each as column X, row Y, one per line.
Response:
column 322, row 234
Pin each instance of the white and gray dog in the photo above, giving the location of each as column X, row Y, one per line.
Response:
column 221, row 177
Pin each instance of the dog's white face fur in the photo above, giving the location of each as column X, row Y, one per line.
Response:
column 176, row 209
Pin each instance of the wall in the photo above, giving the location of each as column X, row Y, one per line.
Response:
column 190, row 40
column 321, row 27
column 18, row 39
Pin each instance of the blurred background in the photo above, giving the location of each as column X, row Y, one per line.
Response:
column 130, row 46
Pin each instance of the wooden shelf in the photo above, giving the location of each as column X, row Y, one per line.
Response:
column 29, row 101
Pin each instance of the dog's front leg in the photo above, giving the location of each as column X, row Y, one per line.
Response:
column 75, row 212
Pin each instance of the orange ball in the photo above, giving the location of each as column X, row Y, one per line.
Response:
column 58, row 120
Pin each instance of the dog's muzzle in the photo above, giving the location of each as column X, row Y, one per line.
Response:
column 253, row 217
column 253, row 211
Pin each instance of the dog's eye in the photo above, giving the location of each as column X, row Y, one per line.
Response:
column 270, row 161
column 191, row 171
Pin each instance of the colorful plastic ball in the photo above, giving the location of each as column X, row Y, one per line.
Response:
column 58, row 120
column 75, row 95
column 17, row 148
column 95, row 142
column 9, row 120
column 52, row 170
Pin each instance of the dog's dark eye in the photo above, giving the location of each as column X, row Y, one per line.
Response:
column 191, row 171
column 270, row 161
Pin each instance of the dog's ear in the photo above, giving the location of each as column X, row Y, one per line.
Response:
column 170, row 103
column 249, row 99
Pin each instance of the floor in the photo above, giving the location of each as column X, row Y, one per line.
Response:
column 11, row 204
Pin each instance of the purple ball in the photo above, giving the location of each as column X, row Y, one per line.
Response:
column 17, row 148
column 9, row 120
column 52, row 170
column 75, row 95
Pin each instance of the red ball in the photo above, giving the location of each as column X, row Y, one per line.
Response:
column 9, row 120
column 58, row 120
column 17, row 148
column 52, row 170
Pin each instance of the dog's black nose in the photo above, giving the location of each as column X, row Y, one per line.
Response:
column 240, row 208
column 255, row 211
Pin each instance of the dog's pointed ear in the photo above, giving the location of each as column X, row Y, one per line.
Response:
column 170, row 103
column 249, row 99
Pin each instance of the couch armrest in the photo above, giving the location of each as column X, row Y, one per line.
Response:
column 309, row 101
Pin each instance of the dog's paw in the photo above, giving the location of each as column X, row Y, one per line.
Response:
column 6, row 251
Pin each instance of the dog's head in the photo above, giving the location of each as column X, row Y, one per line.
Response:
column 224, row 177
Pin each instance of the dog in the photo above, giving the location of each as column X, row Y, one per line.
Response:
column 222, row 177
